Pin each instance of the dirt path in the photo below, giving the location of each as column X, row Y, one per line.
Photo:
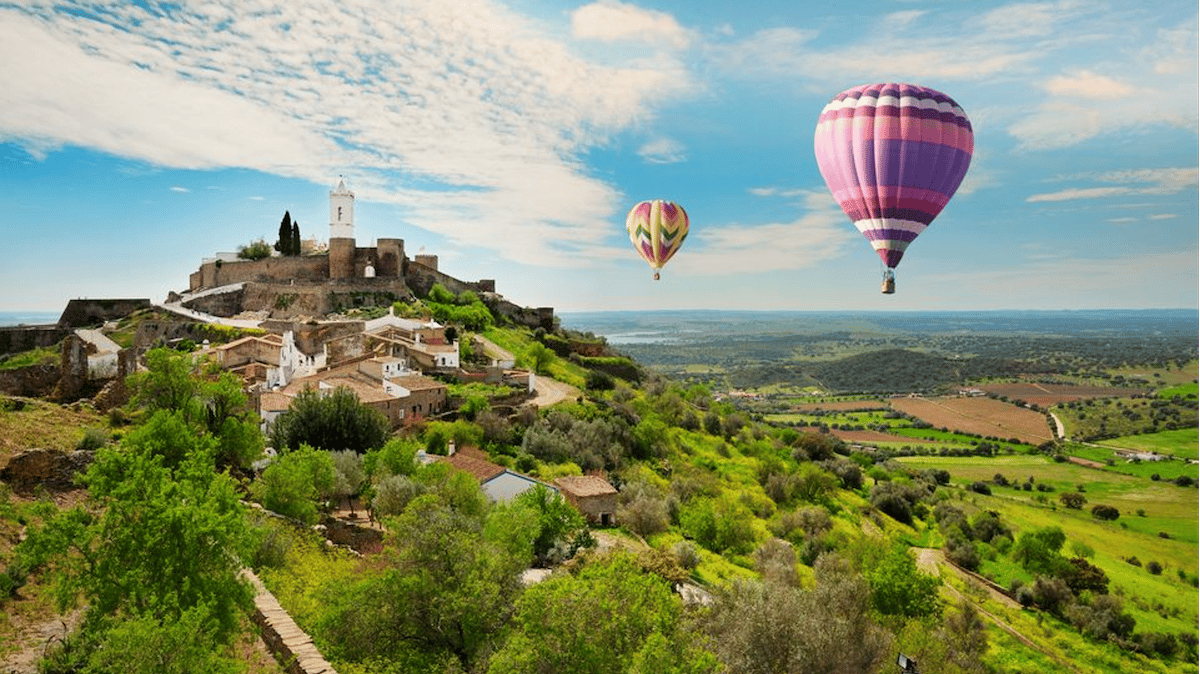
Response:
column 551, row 391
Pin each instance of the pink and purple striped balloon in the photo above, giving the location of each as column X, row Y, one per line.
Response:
column 893, row 155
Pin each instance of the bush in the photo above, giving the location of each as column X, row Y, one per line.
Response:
column 600, row 381
column 256, row 250
column 1105, row 512
column 981, row 487
column 1154, row 568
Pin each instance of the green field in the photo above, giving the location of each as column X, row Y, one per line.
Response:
column 1183, row 443
column 1166, row 602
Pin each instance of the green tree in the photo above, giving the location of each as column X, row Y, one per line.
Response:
column 448, row 592
column 898, row 588
column 557, row 521
column 333, row 421
column 296, row 482
column 295, row 238
column 212, row 404
column 610, row 618
column 255, row 250
column 768, row 628
column 1039, row 551
column 350, row 477
column 283, row 244
column 538, row 357
column 151, row 545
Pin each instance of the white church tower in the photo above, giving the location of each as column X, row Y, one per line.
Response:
column 341, row 212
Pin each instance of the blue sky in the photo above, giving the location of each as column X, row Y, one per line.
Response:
column 510, row 139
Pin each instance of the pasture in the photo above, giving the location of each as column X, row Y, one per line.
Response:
column 1180, row 443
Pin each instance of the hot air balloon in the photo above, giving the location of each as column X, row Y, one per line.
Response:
column 657, row 229
column 892, row 155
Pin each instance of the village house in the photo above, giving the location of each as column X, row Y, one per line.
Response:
column 592, row 496
column 272, row 360
column 497, row 482
column 383, row 383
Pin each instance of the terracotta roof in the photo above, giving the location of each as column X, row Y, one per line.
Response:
column 474, row 462
column 416, row 382
column 585, row 485
column 273, row 401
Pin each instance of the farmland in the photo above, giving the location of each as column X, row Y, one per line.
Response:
column 985, row 417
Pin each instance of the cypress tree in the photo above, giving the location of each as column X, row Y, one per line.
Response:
column 284, row 244
column 295, row 237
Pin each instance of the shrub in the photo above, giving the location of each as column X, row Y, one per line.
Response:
column 981, row 487
column 1105, row 512
column 1073, row 499
column 256, row 250
column 1154, row 568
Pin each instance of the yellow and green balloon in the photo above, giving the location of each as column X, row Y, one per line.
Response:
column 657, row 229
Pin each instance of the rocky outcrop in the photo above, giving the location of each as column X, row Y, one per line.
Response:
column 50, row 468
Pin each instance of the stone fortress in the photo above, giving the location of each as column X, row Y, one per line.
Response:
column 342, row 277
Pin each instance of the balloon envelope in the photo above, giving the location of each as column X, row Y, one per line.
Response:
column 893, row 155
column 657, row 229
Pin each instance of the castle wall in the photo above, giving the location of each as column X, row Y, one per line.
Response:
column 341, row 259
column 421, row 278
column 307, row 268
column 391, row 260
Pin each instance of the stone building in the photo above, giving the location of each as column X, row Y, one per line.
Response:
column 592, row 496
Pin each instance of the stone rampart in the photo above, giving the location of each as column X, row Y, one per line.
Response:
column 216, row 273
column 26, row 337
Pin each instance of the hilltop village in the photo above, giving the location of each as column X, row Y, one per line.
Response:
column 297, row 315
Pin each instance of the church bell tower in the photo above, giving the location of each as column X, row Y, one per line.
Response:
column 341, row 232
column 341, row 212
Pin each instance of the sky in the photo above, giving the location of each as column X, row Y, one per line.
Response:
column 510, row 139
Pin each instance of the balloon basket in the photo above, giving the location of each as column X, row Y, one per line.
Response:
column 888, row 287
column 655, row 276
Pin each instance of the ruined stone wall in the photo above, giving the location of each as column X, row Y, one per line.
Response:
column 27, row 337
column 87, row 313
column 34, row 381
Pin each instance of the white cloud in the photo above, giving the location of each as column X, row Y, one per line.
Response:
column 818, row 235
column 1103, row 99
column 1086, row 84
column 469, row 116
column 1082, row 193
column 177, row 188
column 1163, row 216
column 612, row 21
column 662, row 151
column 777, row 192
column 1133, row 182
